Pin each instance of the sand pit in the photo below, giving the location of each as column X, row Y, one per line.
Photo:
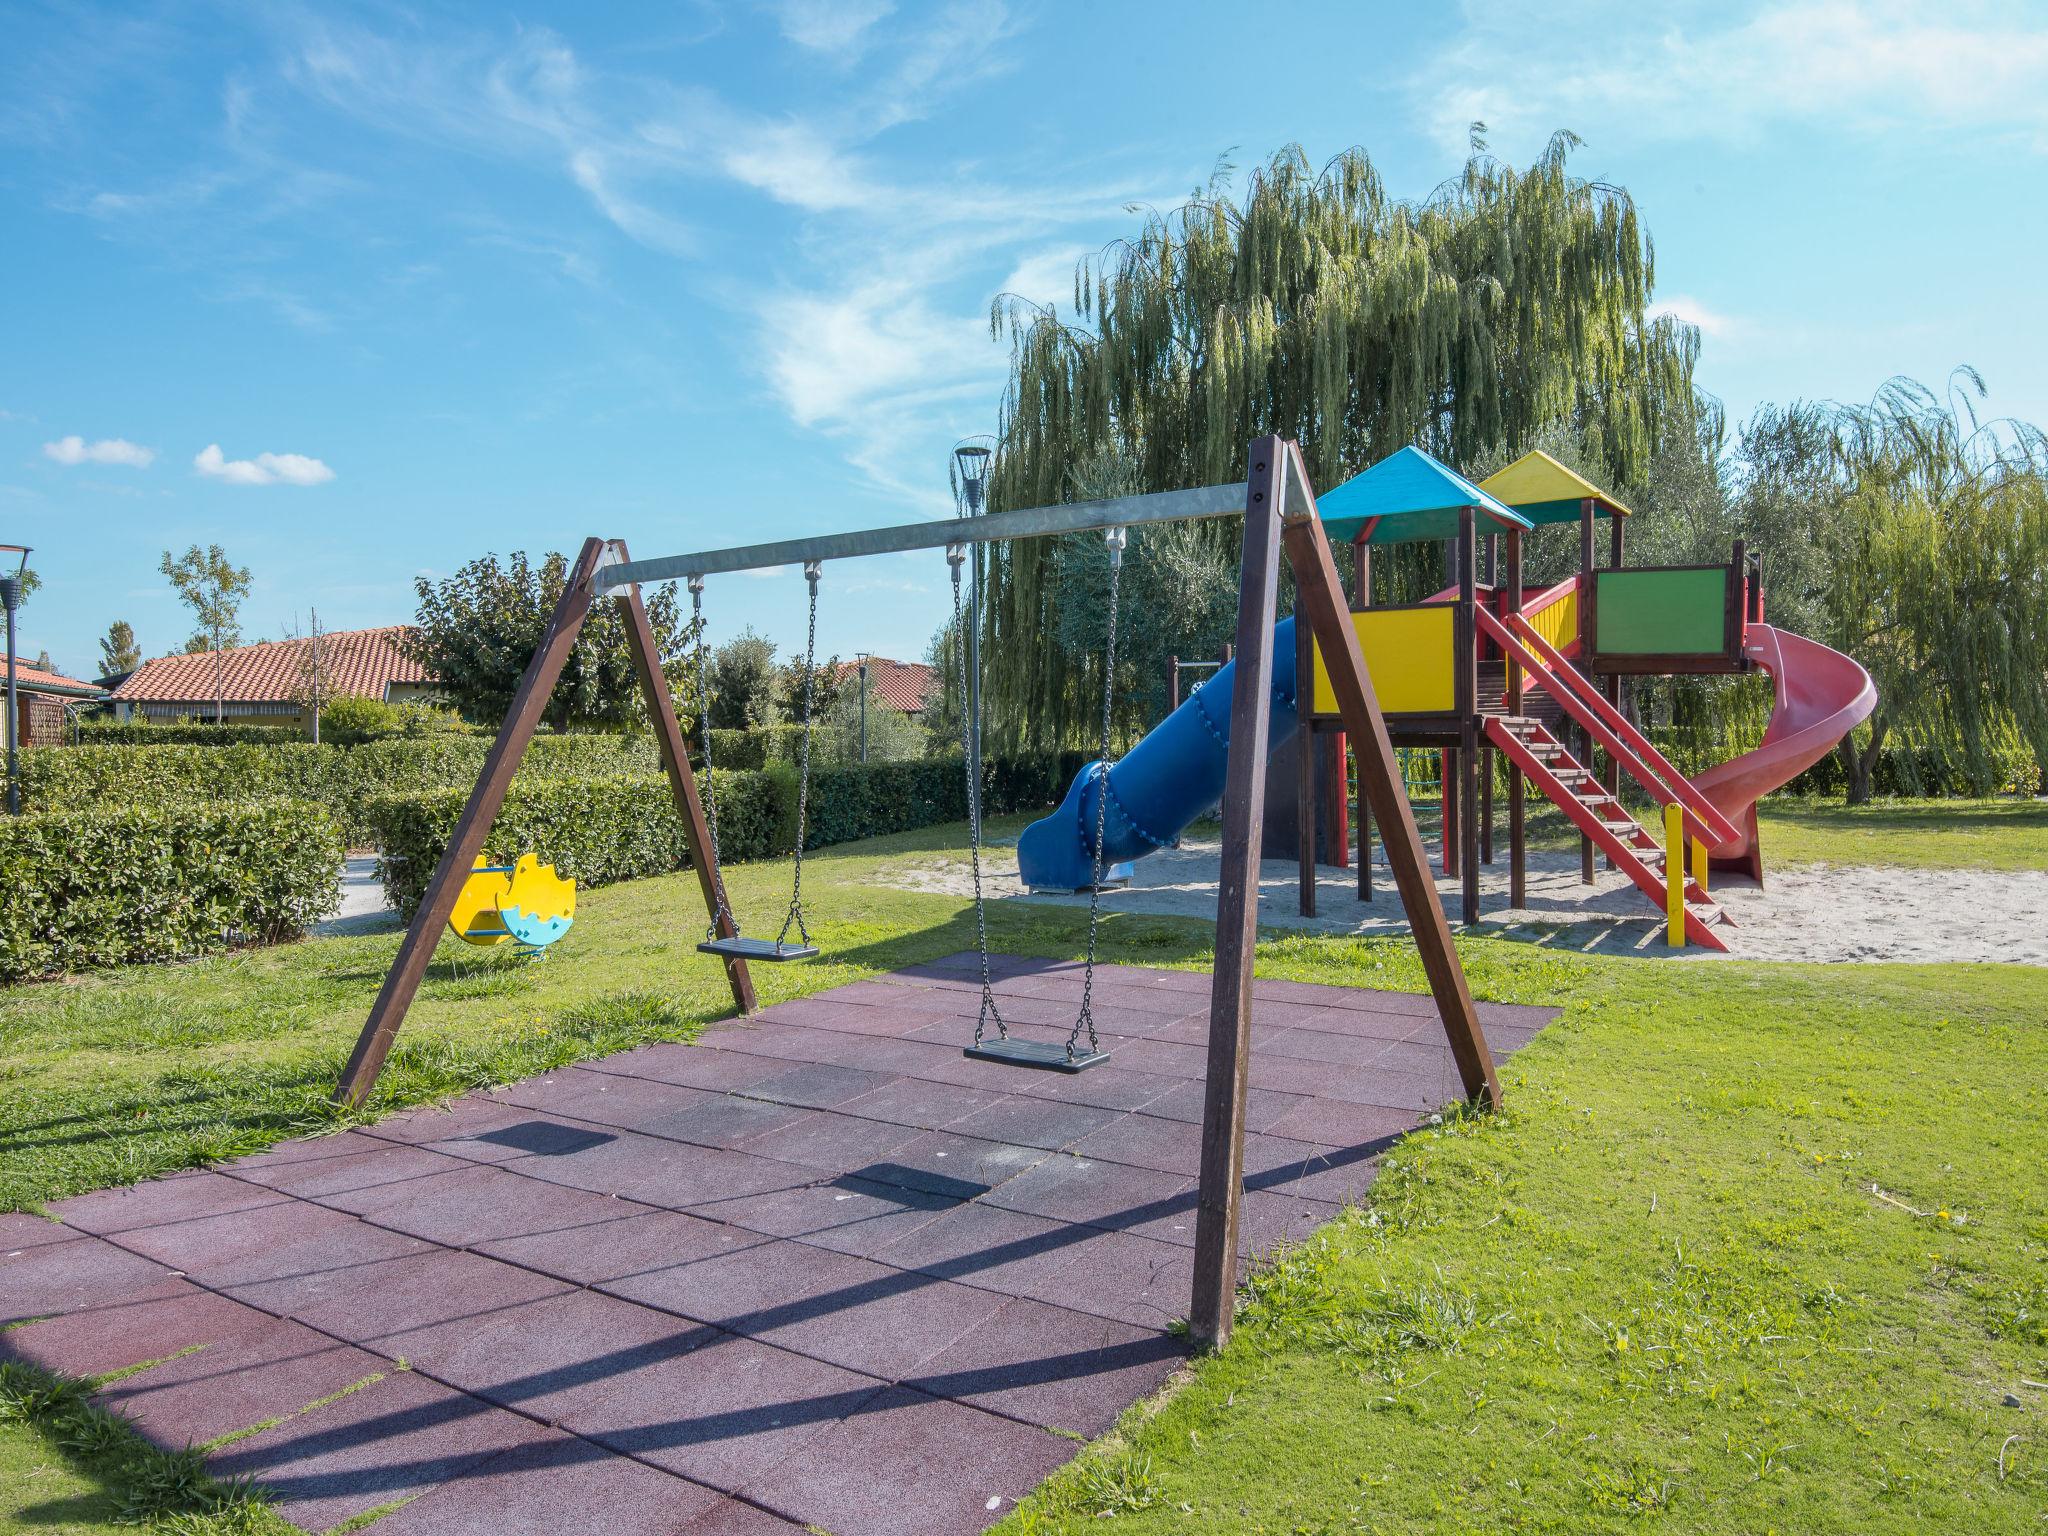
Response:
column 1812, row 912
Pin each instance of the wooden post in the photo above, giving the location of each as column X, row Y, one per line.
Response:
column 1613, row 679
column 1586, row 597
column 1518, row 852
column 1173, row 688
column 1305, row 806
column 682, row 779
column 1447, row 801
column 1468, row 714
column 1486, row 805
column 402, row 981
column 1379, row 782
column 1221, row 1191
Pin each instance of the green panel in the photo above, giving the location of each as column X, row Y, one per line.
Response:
column 1661, row 613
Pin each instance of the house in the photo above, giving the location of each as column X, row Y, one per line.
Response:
column 909, row 687
column 268, row 684
column 44, row 697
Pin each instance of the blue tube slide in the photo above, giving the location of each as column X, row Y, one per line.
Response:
column 1158, row 787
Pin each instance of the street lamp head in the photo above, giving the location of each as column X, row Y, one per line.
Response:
column 10, row 584
column 970, row 473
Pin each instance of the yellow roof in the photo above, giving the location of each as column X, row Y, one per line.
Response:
column 1544, row 491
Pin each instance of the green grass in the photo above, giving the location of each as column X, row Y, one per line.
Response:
column 1914, row 834
column 1658, row 1288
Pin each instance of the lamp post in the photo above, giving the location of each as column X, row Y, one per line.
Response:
column 10, row 597
column 970, row 478
column 863, row 706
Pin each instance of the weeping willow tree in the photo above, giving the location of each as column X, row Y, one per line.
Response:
column 1934, row 531
column 1318, row 307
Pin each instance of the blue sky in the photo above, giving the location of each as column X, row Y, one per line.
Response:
column 360, row 292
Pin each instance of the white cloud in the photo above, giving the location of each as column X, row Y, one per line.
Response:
column 1699, row 72
column 264, row 469
column 1688, row 310
column 107, row 450
column 831, row 26
column 1047, row 277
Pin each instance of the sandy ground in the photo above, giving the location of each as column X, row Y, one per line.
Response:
column 1814, row 912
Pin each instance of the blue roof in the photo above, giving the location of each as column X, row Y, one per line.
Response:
column 1406, row 497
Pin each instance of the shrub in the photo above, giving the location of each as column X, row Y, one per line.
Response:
column 351, row 718
column 106, row 731
column 160, row 881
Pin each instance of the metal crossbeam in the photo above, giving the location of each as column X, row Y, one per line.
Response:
column 1026, row 523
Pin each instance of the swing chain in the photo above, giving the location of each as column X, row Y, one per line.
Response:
column 812, row 570
column 1114, row 538
column 710, row 788
column 956, row 556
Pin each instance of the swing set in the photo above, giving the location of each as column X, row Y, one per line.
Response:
column 1278, row 506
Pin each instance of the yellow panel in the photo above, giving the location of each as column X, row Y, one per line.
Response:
column 475, row 917
column 1558, row 623
column 1410, row 654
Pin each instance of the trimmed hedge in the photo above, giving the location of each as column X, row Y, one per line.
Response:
column 159, row 882
column 107, row 732
column 339, row 778
column 623, row 827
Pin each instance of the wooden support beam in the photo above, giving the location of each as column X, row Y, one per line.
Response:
column 1220, row 1194
column 416, row 951
column 1518, row 851
column 1305, row 807
column 1380, row 785
column 1588, row 594
column 682, row 779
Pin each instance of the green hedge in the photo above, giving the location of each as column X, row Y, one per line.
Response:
column 339, row 778
column 158, row 882
column 622, row 827
column 106, row 731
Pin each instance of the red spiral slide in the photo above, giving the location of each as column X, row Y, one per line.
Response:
column 1822, row 695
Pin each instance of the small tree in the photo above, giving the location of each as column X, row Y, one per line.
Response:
column 945, row 714
column 118, row 651
column 43, row 663
column 477, row 630
column 825, row 682
column 312, row 686
column 743, row 682
column 213, row 587
column 892, row 735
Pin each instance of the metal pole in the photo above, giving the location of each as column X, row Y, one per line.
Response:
column 10, row 589
column 863, row 709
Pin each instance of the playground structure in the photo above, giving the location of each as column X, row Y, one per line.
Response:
column 1279, row 510
column 524, row 903
column 1486, row 667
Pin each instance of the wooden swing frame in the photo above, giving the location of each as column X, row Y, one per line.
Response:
column 1279, row 519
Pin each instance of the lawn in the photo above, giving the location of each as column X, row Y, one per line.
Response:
column 1755, row 1247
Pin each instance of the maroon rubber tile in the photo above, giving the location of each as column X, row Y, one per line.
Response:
column 556, row 1482
column 732, row 1518
column 1147, row 1141
column 1273, row 1219
column 1321, row 1045
column 159, row 1202
column 649, row 1241
column 983, row 1245
column 1137, row 1280
column 1262, row 1106
column 1421, row 1057
column 1105, row 1087
column 832, row 1141
column 19, row 1232
column 726, row 1120
column 911, row 1465
column 818, row 1086
column 392, row 1440
column 1393, row 1090
column 383, row 1163
column 852, row 1017
column 950, row 1163
column 543, row 1357
column 1278, row 1018
column 671, row 1174
column 787, row 1043
column 384, row 1302
column 110, row 1338
column 1053, row 1367
column 1344, row 1125
column 1341, row 1176
column 235, row 1385
column 454, row 1128
column 691, row 1066
column 923, row 1105
column 1291, row 1074
column 85, row 1274
column 478, row 1204
column 269, row 1242
column 727, row 1415
column 1036, row 1122
column 1109, row 1195
column 830, row 1306
column 1201, row 983
column 846, row 1214
column 575, row 1093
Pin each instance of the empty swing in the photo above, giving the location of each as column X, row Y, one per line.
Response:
column 739, row 946
column 1052, row 1055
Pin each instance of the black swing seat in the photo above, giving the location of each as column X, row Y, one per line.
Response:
column 1047, row 1054
column 740, row 947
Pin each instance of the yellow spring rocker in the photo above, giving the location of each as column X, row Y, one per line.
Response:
column 525, row 904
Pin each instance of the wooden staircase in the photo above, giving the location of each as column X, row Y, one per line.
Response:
column 1576, row 791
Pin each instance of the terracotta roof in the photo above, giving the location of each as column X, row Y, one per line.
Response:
column 357, row 661
column 906, row 685
column 35, row 680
